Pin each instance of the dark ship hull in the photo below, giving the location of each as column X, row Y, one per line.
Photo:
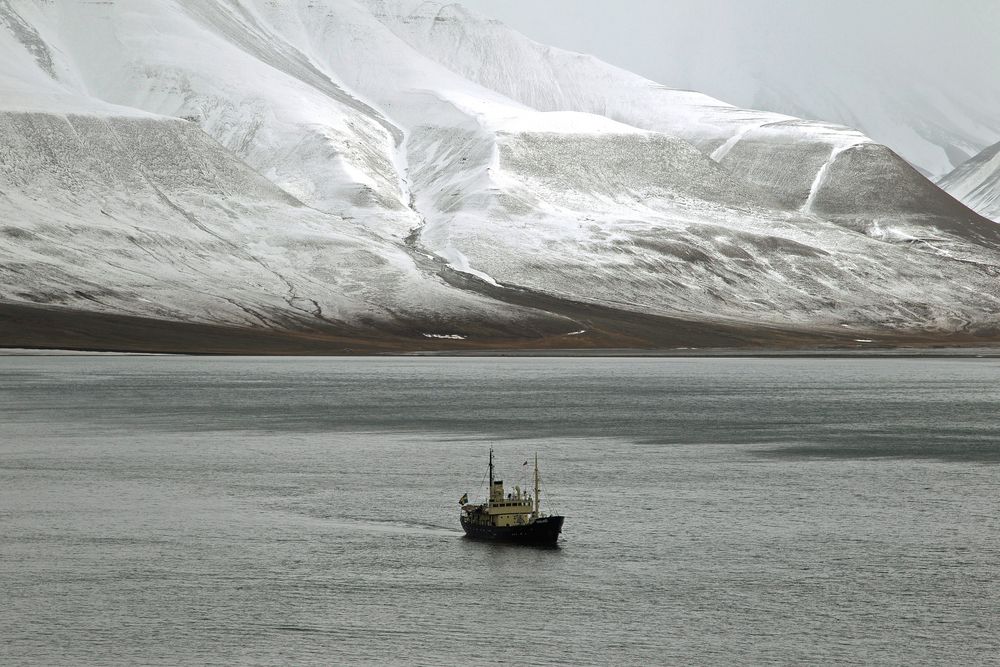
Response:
column 543, row 531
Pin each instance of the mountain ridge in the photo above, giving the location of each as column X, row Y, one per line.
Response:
column 909, row 76
column 976, row 182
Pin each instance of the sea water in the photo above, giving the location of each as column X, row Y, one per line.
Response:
column 162, row 510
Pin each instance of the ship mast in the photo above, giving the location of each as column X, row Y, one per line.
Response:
column 491, row 471
column 536, row 485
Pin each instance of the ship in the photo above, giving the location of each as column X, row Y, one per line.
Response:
column 510, row 516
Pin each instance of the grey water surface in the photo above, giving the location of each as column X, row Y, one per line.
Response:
column 158, row 510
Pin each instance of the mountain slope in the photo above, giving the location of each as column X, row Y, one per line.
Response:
column 791, row 164
column 977, row 182
column 150, row 217
column 909, row 75
column 393, row 168
column 787, row 157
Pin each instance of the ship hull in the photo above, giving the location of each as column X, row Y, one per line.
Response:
column 541, row 532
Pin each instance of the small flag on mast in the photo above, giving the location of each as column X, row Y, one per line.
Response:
column 525, row 463
column 464, row 499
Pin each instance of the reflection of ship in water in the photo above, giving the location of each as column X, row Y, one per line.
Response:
column 510, row 517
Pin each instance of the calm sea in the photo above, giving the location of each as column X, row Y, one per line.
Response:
column 169, row 511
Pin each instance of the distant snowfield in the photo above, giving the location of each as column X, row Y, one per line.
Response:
column 916, row 77
column 300, row 165
column 977, row 182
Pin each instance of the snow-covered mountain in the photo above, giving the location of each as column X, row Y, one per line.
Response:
column 409, row 168
column 913, row 76
column 976, row 182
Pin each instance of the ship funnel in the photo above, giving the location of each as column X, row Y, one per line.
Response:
column 496, row 493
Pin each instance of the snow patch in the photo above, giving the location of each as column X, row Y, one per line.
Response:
column 724, row 149
column 821, row 176
column 445, row 336
column 459, row 262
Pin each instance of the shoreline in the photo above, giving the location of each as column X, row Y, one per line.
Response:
column 46, row 330
column 950, row 352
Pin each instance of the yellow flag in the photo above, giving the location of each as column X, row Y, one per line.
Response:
column 464, row 499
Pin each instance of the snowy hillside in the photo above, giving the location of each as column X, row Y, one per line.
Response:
column 913, row 76
column 166, row 223
column 408, row 168
column 977, row 183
